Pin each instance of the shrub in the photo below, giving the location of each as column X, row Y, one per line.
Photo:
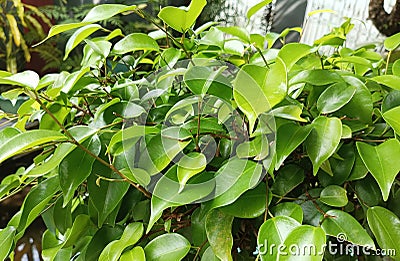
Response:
column 208, row 145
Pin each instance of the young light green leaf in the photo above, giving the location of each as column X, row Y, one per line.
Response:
column 167, row 247
column 181, row 19
column 340, row 223
column 335, row 97
column 303, row 237
column 23, row 79
column 392, row 42
column 28, row 140
column 385, row 226
column 290, row 112
column 136, row 253
column 254, row 9
column 6, row 240
column 334, row 196
column 219, row 234
column 292, row 52
column 132, row 233
column 379, row 161
column 237, row 31
column 391, row 81
column 190, row 165
column 274, row 231
column 392, row 117
column 134, row 42
column 78, row 36
column 323, row 140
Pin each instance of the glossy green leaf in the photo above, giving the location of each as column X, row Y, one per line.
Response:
column 169, row 57
column 323, row 140
column 292, row 52
column 36, row 201
column 190, row 165
column 254, row 9
column 274, row 231
column 385, row 226
column 287, row 179
column 289, row 137
column 132, row 233
column 181, row 19
column 379, row 161
column 303, row 237
column 78, row 36
column 392, row 117
column 136, row 253
column 134, row 42
column 167, row 247
column 392, row 42
column 237, row 31
column 391, row 81
column 6, row 241
column 242, row 176
column 219, row 234
column 335, row 97
column 316, row 77
column 209, row 255
column 249, row 205
column 334, row 196
column 290, row 112
column 105, row 195
column 341, row 224
column 162, row 149
column 97, row 13
column 234, row 47
column 79, row 229
column 76, row 167
column 100, row 47
column 24, row 79
column 101, row 239
column 288, row 209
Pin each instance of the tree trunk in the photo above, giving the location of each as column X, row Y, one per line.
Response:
column 387, row 23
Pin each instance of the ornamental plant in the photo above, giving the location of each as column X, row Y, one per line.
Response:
column 207, row 144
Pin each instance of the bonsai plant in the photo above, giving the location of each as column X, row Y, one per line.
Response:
column 207, row 146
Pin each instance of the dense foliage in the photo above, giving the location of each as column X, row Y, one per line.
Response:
column 208, row 144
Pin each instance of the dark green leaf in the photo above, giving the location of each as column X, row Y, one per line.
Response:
column 334, row 196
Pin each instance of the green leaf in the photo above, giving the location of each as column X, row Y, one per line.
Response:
column 80, row 133
column 334, row 196
column 76, row 167
column 132, row 233
column 167, row 247
column 134, row 42
column 288, row 138
column 335, row 97
column 136, row 253
column 36, row 201
column 323, row 140
column 303, row 237
column 292, row 52
column 233, row 179
column 254, row 9
column 209, row 255
column 274, row 231
column 107, row 195
column 385, row 226
column 287, row 179
column 391, row 81
column 341, row 224
column 379, row 161
column 290, row 112
column 392, row 117
column 219, row 234
column 169, row 57
column 249, row 205
column 6, row 240
column 316, row 77
column 288, row 209
column 237, row 31
column 181, row 19
column 392, row 42
column 100, row 240
column 190, row 165
column 27, row 78
column 97, row 13
column 163, row 148
column 78, row 36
